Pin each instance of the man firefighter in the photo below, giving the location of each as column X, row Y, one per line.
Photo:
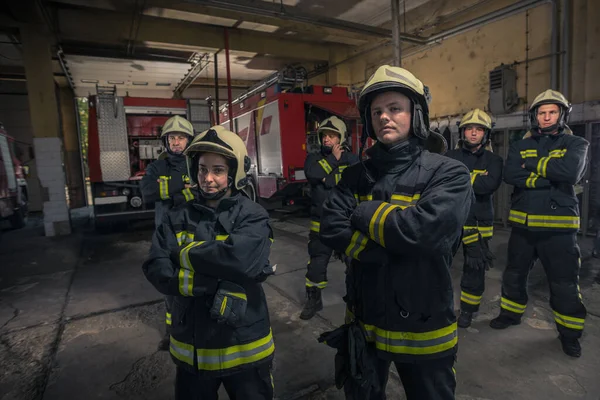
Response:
column 166, row 184
column 474, row 150
column 211, row 255
column 399, row 216
column 543, row 168
column 323, row 171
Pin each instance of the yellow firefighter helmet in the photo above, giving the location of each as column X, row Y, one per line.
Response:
column 476, row 117
column 226, row 143
column 335, row 125
column 177, row 124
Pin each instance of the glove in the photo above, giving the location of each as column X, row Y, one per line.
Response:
column 266, row 272
column 489, row 256
column 229, row 304
column 474, row 256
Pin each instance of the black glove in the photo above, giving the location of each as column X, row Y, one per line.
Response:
column 266, row 272
column 474, row 256
column 229, row 304
column 489, row 256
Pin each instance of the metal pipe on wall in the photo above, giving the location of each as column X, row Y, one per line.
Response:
column 554, row 47
column 396, row 32
column 229, row 106
column 217, row 105
column 565, row 73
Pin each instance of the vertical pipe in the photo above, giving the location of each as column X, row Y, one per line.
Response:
column 229, row 107
column 217, row 116
column 396, row 31
column 554, row 47
column 565, row 73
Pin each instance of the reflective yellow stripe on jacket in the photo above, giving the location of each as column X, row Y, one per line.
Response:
column 530, row 153
column 357, row 245
column 163, row 187
column 365, row 197
column 404, row 201
column 530, row 182
column 476, row 172
column 187, row 193
column 315, row 226
column 377, row 223
column 543, row 162
column 544, row 221
column 326, row 166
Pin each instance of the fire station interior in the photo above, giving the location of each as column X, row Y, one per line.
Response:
column 87, row 85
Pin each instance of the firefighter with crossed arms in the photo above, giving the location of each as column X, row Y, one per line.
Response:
column 399, row 216
column 323, row 171
column 475, row 151
column 543, row 167
column 166, row 184
column 211, row 255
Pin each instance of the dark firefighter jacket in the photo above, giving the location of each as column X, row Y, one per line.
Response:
column 402, row 233
column 192, row 250
column 543, row 170
column 317, row 167
column 171, row 191
column 481, row 215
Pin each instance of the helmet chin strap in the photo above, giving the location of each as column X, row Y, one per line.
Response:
column 549, row 129
column 217, row 195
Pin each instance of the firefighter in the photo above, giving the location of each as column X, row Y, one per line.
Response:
column 166, row 184
column 543, row 167
column 323, row 171
column 210, row 255
column 475, row 151
column 399, row 216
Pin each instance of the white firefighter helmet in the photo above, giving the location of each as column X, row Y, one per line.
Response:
column 480, row 118
column 335, row 125
column 550, row 97
column 176, row 124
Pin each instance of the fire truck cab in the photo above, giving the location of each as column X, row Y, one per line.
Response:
column 278, row 120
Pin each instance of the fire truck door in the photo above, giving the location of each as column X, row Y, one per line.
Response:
column 112, row 135
column 269, row 140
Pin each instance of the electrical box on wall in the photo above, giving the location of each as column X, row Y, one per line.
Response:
column 503, row 90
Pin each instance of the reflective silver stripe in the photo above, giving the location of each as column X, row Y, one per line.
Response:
column 413, row 343
column 357, row 244
column 230, row 357
column 182, row 351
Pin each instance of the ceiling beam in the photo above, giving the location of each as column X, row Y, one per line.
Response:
column 210, row 82
column 93, row 26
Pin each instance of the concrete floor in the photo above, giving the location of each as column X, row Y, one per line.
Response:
column 78, row 320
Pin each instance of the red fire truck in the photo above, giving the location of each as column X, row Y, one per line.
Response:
column 13, row 186
column 278, row 120
column 123, row 139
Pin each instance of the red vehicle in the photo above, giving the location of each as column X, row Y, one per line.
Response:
column 278, row 121
column 13, row 186
column 123, row 139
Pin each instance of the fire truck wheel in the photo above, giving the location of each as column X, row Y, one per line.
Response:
column 19, row 219
column 250, row 190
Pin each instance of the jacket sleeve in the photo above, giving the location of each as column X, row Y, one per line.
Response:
column 241, row 257
column 317, row 168
column 562, row 166
column 149, row 185
column 167, row 277
column 488, row 184
column 521, row 177
column 337, row 231
column 431, row 226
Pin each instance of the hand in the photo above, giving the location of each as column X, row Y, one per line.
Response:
column 337, row 151
column 188, row 186
column 522, row 165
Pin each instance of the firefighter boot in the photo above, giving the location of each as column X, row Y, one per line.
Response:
column 465, row 318
column 314, row 303
column 570, row 346
column 503, row 321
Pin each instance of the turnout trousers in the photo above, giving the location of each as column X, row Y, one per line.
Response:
column 472, row 286
column 316, row 274
column 251, row 384
column 561, row 259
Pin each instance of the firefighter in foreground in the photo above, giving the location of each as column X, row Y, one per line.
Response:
column 543, row 168
column 400, row 217
column 474, row 150
column 166, row 184
column 323, row 171
column 211, row 255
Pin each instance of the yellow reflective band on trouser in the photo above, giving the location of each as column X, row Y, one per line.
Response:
column 357, row 245
column 470, row 298
column 531, row 153
column 182, row 351
column 315, row 226
column 366, row 197
column 163, row 187
column 184, row 237
column 404, row 201
column 413, row 343
column 184, row 255
column 378, row 222
column 512, row 306
column 326, row 167
column 320, row 285
column 518, row 217
column 551, row 221
column 187, row 193
column 234, row 356
column 530, row 182
column 569, row 322
column 486, row 231
column 471, row 238
column 168, row 318
column 186, row 282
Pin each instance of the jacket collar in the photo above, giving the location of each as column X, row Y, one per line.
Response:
column 396, row 158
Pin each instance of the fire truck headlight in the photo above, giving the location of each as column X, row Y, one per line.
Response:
column 126, row 192
column 135, row 202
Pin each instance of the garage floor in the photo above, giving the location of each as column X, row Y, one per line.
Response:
column 78, row 320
